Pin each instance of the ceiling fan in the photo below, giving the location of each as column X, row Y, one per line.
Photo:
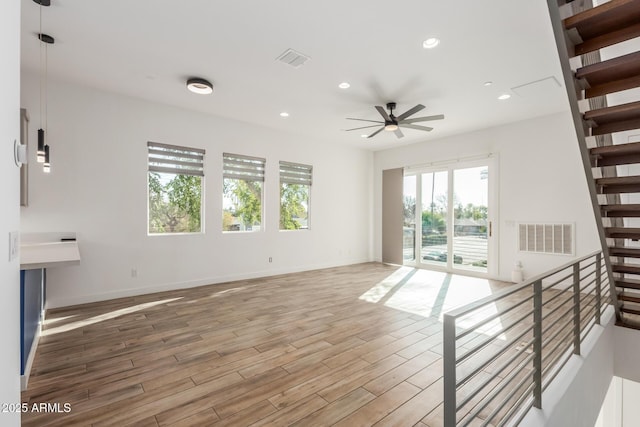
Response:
column 393, row 124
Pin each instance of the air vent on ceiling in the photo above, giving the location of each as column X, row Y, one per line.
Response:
column 293, row 58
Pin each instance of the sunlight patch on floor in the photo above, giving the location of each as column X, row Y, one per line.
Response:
column 229, row 291
column 432, row 293
column 382, row 288
column 105, row 316
column 57, row 319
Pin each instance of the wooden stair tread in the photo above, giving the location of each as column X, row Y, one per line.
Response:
column 629, row 210
column 629, row 309
column 620, row 207
column 617, row 154
column 611, row 76
column 619, row 180
column 606, row 24
column 616, row 113
column 624, row 251
column 625, row 268
column 628, row 283
column 629, row 148
column 618, row 118
column 622, row 232
column 629, row 298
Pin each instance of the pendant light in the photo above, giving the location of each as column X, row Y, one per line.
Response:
column 46, row 167
column 43, row 151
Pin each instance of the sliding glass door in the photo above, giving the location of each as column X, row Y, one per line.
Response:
column 448, row 222
column 433, row 218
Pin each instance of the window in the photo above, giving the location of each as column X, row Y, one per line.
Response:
column 295, row 186
column 242, row 192
column 175, row 189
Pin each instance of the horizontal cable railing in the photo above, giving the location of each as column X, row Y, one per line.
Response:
column 501, row 352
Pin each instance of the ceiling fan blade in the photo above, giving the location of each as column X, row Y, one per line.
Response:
column 398, row 133
column 363, row 127
column 424, row 119
column 365, row 120
column 376, row 132
column 410, row 112
column 383, row 113
column 416, row 127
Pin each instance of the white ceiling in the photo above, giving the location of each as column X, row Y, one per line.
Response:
column 148, row 48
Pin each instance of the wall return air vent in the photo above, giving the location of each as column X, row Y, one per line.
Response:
column 548, row 238
column 293, row 58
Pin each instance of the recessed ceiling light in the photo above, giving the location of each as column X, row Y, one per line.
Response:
column 488, row 83
column 430, row 43
column 364, row 135
column 199, row 86
column 284, row 114
column 344, row 85
column 504, row 96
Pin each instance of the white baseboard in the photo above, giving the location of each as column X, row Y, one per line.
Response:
column 123, row 293
column 24, row 379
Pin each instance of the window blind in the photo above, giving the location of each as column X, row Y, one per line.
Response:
column 295, row 173
column 175, row 159
column 236, row 166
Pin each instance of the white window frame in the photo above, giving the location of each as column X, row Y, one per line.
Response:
column 161, row 158
column 295, row 173
column 247, row 168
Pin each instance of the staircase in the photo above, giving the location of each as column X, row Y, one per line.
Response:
column 610, row 152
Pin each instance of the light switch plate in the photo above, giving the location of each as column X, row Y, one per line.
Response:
column 14, row 245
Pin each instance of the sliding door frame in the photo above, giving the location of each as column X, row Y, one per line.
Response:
column 491, row 161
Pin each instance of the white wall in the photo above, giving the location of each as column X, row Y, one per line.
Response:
column 9, row 210
column 541, row 180
column 575, row 396
column 620, row 408
column 97, row 188
column 627, row 346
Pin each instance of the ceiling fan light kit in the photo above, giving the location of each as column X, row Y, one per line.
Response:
column 393, row 123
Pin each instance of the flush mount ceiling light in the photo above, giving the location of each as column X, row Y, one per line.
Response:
column 284, row 114
column 199, row 86
column 504, row 96
column 344, row 85
column 431, row 42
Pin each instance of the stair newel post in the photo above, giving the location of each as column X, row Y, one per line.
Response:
column 598, row 287
column 537, row 344
column 576, row 308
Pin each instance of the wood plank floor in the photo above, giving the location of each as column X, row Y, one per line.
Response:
column 347, row 346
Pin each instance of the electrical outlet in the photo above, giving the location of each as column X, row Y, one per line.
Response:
column 134, row 273
column 14, row 245
column 270, row 259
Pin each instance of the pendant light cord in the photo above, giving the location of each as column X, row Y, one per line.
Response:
column 40, row 52
column 46, row 89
